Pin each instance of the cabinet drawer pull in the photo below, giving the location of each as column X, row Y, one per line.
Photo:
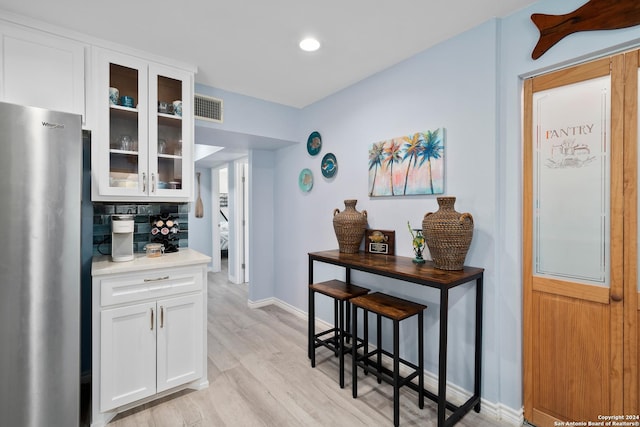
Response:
column 153, row 182
column 152, row 319
column 161, row 316
column 157, row 279
column 144, row 182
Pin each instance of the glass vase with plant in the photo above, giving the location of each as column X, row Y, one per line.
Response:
column 417, row 240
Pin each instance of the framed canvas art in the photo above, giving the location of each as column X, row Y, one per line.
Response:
column 407, row 165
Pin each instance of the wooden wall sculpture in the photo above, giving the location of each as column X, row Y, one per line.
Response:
column 593, row 15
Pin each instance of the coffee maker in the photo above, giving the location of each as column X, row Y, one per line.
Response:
column 121, row 237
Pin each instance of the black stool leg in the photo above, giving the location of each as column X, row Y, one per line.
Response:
column 366, row 340
column 336, row 323
column 396, row 373
column 379, row 338
column 354, row 354
column 348, row 320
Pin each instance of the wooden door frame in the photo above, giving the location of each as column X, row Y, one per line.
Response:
column 594, row 69
column 632, row 296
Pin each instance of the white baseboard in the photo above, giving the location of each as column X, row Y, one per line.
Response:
column 261, row 303
column 455, row 394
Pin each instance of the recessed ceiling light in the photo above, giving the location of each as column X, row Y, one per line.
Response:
column 309, row 45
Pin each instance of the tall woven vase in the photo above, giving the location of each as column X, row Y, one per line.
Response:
column 448, row 234
column 349, row 226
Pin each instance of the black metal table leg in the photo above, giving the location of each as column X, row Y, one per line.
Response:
column 396, row 372
column 311, row 310
column 312, row 328
column 421, row 360
column 478, row 367
column 442, row 363
column 340, row 344
column 348, row 311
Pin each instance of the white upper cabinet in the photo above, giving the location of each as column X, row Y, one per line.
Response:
column 142, row 146
column 41, row 70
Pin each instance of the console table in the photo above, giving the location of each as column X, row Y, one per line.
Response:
column 402, row 268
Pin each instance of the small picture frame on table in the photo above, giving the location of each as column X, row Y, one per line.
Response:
column 381, row 242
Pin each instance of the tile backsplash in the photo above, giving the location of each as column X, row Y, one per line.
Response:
column 143, row 217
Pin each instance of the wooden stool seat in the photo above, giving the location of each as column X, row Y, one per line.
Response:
column 388, row 306
column 396, row 309
column 338, row 289
column 334, row 338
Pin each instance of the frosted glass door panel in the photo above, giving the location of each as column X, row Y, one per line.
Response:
column 571, row 182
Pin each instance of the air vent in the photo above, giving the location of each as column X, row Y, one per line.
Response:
column 208, row 108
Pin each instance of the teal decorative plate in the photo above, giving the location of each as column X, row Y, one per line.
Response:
column 329, row 165
column 314, row 143
column 305, row 180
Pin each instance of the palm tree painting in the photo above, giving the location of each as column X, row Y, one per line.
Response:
column 407, row 165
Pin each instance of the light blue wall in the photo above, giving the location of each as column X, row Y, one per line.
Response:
column 451, row 86
column 263, row 243
column 471, row 86
column 252, row 116
column 200, row 229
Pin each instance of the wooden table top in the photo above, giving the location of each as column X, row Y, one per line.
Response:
column 399, row 267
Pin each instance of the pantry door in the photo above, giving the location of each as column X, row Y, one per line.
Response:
column 573, row 243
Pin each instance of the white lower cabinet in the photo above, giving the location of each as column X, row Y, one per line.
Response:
column 149, row 337
column 179, row 342
column 148, row 348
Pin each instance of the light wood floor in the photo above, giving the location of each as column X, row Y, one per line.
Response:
column 259, row 375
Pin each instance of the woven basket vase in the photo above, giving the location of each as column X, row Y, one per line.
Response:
column 448, row 234
column 350, row 226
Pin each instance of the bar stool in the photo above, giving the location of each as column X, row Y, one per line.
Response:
column 396, row 309
column 341, row 293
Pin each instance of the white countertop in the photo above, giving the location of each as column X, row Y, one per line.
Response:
column 102, row 264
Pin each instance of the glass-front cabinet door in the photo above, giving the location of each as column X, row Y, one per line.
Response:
column 127, row 129
column 142, row 143
column 171, row 129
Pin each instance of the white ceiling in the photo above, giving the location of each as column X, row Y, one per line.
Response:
column 250, row 47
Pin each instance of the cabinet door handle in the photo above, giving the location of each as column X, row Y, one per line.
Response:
column 153, row 182
column 161, row 316
column 152, row 319
column 157, row 279
column 144, row 182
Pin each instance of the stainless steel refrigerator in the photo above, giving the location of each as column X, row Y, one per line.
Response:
column 40, row 266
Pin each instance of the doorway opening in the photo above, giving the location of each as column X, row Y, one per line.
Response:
column 233, row 219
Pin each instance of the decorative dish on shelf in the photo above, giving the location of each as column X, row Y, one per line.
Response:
column 123, row 180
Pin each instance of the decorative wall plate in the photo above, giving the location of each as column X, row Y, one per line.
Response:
column 329, row 165
column 314, row 143
column 305, row 180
